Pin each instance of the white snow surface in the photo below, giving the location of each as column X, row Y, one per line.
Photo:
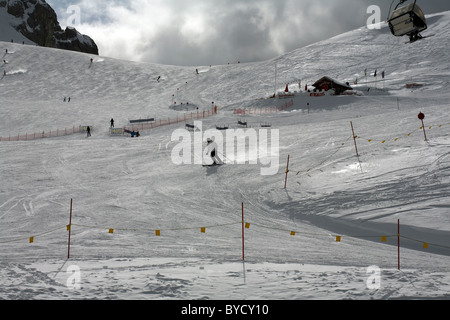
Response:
column 133, row 187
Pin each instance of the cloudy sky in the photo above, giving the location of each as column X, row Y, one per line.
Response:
column 204, row 32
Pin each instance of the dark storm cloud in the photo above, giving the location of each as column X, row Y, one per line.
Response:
column 203, row 32
column 234, row 33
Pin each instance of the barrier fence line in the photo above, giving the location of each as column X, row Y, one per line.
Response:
column 202, row 229
column 324, row 161
column 113, row 230
column 384, row 141
column 43, row 134
column 397, row 138
column 245, row 111
column 66, row 132
column 165, row 122
column 426, row 244
column 382, row 237
column 245, row 225
column 31, row 238
column 354, row 136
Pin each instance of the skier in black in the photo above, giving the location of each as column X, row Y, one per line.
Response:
column 88, row 129
column 112, row 123
column 211, row 151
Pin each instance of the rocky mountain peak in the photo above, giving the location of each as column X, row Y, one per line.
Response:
column 37, row 21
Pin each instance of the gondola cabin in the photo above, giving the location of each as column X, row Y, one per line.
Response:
column 408, row 20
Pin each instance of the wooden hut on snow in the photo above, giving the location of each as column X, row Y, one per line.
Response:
column 326, row 83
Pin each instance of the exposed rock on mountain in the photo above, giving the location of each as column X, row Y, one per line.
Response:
column 37, row 21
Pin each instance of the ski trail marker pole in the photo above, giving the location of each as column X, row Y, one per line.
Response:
column 356, row 147
column 354, row 139
column 398, row 242
column 287, row 171
column 70, row 229
column 243, row 257
column 421, row 117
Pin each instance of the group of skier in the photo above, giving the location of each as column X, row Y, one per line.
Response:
column 5, row 62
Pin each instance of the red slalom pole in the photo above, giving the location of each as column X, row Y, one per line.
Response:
column 398, row 242
column 70, row 230
column 243, row 256
column 354, row 139
column 424, row 132
column 287, row 171
column 421, row 117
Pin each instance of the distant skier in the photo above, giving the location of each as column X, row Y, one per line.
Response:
column 68, row 99
column 112, row 123
column 135, row 134
column 159, row 77
column 88, row 130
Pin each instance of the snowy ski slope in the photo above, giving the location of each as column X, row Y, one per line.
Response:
column 131, row 187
